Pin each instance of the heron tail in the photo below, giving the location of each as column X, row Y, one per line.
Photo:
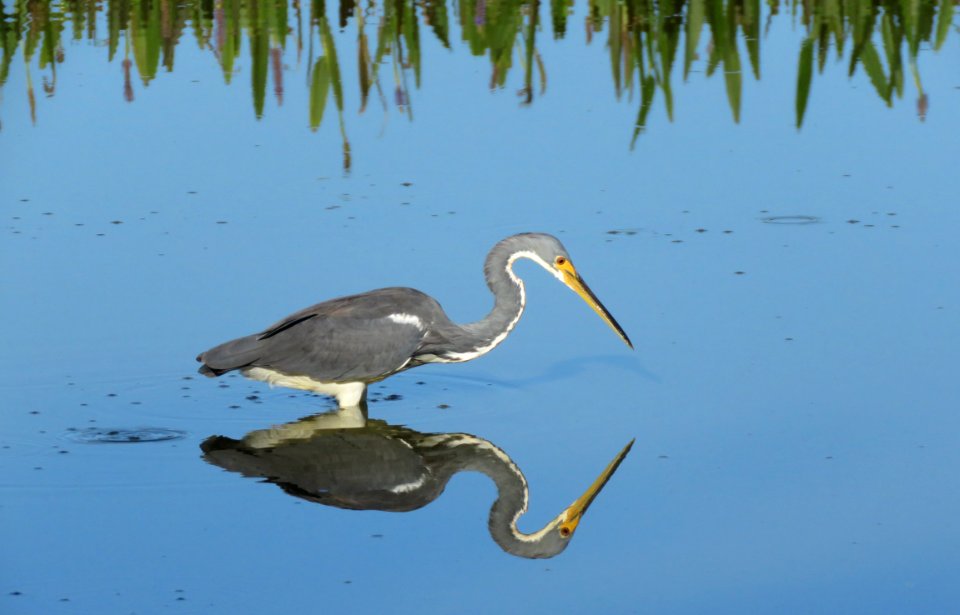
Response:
column 227, row 357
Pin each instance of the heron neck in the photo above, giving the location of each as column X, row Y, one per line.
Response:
column 508, row 293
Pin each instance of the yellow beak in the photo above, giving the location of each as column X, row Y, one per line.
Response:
column 575, row 512
column 572, row 279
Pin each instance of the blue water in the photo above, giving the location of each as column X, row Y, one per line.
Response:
column 792, row 393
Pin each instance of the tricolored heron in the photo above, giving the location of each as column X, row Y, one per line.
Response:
column 340, row 346
column 393, row 468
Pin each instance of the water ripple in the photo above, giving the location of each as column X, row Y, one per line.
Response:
column 109, row 435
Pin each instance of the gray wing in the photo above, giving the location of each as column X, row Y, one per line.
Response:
column 347, row 339
column 332, row 349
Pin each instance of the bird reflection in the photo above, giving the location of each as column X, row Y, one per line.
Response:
column 342, row 459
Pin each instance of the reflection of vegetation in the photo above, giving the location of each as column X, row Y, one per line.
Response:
column 644, row 36
column 911, row 22
column 645, row 39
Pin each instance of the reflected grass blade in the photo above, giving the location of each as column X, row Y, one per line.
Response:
column 751, row 32
column 114, row 24
column 47, row 48
column 944, row 20
column 363, row 63
column 559, row 9
column 732, row 73
column 411, row 34
column 804, row 76
column 260, row 53
column 733, row 76
column 330, row 52
column 436, row 12
column 319, row 86
column 694, row 26
column 874, row 69
column 648, row 87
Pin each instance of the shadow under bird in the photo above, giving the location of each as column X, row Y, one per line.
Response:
column 340, row 346
column 391, row 468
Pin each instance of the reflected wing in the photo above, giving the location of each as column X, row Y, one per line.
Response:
column 360, row 469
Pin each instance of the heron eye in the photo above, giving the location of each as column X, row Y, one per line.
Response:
column 560, row 261
column 564, row 531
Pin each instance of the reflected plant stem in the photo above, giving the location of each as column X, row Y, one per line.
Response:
column 541, row 67
column 50, row 87
column 400, row 78
column 369, row 70
column 330, row 52
column 299, row 18
column 309, row 73
column 127, row 83
column 127, row 76
column 530, row 52
column 30, row 96
column 375, row 78
column 923, row 103
column 276, row 62
column 363, row 60
column 347, row 160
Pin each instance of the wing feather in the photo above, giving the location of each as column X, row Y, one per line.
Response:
column 346, row 339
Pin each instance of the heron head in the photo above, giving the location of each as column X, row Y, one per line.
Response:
column 556, row 536
column 549, row 253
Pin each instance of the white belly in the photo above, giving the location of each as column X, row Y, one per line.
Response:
column 347, row 393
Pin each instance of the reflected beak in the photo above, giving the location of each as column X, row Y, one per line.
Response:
column 572, row 279
column 576, row 510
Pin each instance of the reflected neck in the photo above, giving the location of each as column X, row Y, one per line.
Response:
column 482, row 456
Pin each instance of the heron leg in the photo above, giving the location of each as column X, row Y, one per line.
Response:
column 350, row 394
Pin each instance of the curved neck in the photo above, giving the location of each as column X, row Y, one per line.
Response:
column 508, row 293
column 482, row 456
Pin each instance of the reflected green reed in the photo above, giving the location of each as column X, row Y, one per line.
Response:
column 646, row 41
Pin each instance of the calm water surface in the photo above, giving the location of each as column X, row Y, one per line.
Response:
column 764, row 196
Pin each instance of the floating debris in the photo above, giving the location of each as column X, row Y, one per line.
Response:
column 791, row 220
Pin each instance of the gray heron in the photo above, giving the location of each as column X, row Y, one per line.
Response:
column 392, row 468
column 340, row 346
